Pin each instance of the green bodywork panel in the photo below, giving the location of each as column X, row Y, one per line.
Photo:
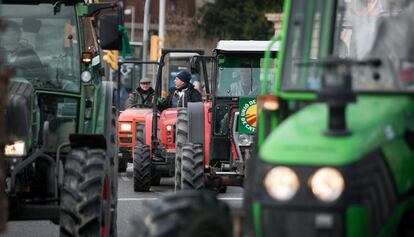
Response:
column 300, row 140
column 357, row 221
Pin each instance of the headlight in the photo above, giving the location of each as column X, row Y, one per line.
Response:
column 86, row 76
column 281, row 183
column 245, row 140
column 168, row 127
column 16, row 149
column 125, row 127
column 327, row 184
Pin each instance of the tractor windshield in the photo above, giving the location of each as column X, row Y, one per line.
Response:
column 239, row 76
column 364, row 29
column 42, row 45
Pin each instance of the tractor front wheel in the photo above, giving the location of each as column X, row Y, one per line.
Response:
column 192, row 171
column 142, row 168
column 85, row 200
column 181, row 134
column 185, row 214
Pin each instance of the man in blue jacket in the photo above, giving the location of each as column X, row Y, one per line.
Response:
column 182, row 93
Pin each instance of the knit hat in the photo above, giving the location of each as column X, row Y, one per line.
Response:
column 184, row 76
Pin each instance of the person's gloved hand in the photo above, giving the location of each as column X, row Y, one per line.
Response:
column 160, row 100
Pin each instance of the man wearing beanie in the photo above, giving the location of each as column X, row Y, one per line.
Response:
column 142, row 97
column 182, row 93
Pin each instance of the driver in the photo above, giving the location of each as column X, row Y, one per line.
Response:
column 22, row 58
column 142, row 97
column 244, row 86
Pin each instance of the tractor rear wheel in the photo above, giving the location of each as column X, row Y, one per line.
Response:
column 181, row 135
column 85, row 200
column 142, row 168
column 185, row 214
column 192, row 166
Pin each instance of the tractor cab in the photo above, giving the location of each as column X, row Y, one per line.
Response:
column 238, row 82
column 335, row 135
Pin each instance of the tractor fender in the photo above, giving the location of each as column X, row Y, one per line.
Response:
column 199, row 126
column 88, row 140
column 196, row 122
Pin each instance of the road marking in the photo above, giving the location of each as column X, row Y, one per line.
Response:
column 231, row 198
column 135, row 199
column 152, row 198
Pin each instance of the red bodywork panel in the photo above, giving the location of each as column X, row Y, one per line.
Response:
column 134, row 116
column 166, row 138
column 233, row 146
column 207, row 129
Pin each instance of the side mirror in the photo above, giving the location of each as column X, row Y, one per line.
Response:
column 109, row 35
column 194, row 65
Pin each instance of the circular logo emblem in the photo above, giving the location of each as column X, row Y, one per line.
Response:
column 251, row 115
column 248, row 115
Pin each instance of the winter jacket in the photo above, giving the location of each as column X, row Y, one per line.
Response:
column 140, row 98
column 180, row 98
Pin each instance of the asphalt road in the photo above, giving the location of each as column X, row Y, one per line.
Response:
column 129, row 203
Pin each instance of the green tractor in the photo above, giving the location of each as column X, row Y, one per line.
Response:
column 62, row 161
column 336, row 137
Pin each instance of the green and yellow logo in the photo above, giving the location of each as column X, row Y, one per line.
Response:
column 247, row 115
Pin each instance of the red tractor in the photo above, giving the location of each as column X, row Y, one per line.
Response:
column 215, row 140
column 147, row 137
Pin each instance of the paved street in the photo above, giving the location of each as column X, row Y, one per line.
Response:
column 129, row 203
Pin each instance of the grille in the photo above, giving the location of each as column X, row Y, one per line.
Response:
column 291, row 223
column 125, row 139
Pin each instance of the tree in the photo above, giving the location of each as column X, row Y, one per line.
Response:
column 236, row 19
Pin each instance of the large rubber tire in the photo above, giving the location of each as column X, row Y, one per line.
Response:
column 185, row 214
column 181, row 137
column 142, row 168
column 140, row 133
column 177, row 176
column 192, row 167
column 85, row 195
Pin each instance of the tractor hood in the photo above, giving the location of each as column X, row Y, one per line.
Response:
column 168, row 116
column 373, row 120
column 137, row 115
